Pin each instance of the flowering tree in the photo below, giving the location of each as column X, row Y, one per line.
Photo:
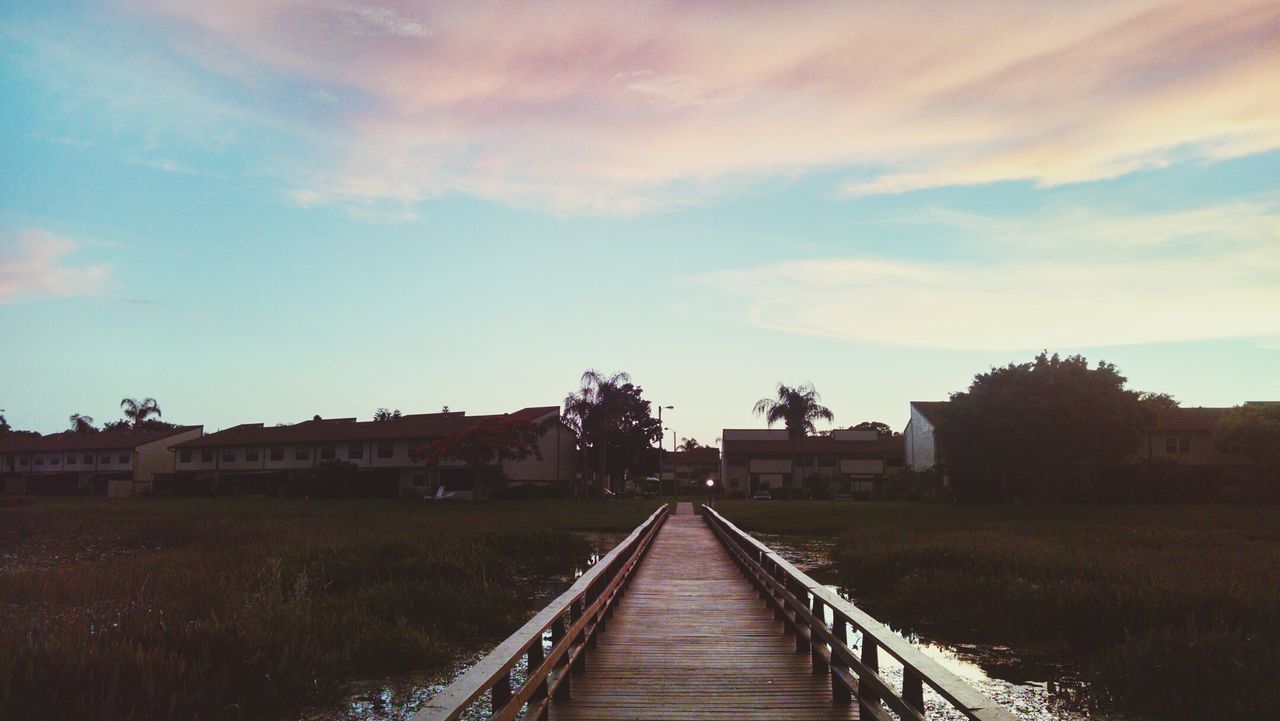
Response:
column 484, row 447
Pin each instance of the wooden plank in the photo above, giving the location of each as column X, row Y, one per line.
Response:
column 692, row 639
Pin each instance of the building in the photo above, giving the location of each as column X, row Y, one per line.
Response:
column 920, row 439
column 253, row 458
column 691, row 468
column 1185, row 435
column 115, row 462
column 855, row 461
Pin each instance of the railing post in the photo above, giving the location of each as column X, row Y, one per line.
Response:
column 868, row 698
column 913, row 690
column 816, row 644
column 501, row 692
column 563, row 690
column 840, row 693
column 801, row 594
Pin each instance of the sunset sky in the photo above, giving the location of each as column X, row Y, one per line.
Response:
column 259, row 210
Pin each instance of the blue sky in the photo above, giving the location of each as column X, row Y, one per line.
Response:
column 264, row 211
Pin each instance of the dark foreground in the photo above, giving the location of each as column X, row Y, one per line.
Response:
column 247, row 608
column 1175, row 609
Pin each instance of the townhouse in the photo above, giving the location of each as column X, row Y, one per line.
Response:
column 692, row 468
column 254, row 458
column 855, row 461
column 116, row 462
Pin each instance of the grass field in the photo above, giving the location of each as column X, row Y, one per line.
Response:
column 1177, row 608
column 245, row 608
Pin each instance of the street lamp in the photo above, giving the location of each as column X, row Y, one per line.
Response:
column 675, row 479
column 711, row 485
column 660, row 437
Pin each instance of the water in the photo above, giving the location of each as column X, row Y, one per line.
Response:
column 1034, row 687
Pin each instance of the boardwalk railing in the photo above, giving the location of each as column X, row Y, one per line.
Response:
column 801, row 603
column 573, row 619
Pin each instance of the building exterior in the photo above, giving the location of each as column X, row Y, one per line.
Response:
column 856, row 461
column 1185, row 435
column 920, row 439
column 253, row 458
column 691, row 468
column 117, row 462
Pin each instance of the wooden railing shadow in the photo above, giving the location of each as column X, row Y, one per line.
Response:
column 800, row 602
column 573, row 621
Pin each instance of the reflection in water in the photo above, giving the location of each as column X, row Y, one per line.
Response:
column 1032, row 689
column 398, row 698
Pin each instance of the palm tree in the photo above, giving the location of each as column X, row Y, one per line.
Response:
column 798, row 408
column 689, row 444
column 81, row 423
column 591, row 414
column 138, row 413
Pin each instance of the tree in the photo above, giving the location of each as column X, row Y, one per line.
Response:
column 613, row 424
column 798, row 408
column 5, row 428
column 139, row 413
column 1252, row 429
column 1157, row 401
column 483, row 448
column 879, row 427
column 689, row 444
column 81, row 423
column 1041, row 430
column 382, row 414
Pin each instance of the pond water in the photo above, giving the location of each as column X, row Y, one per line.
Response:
column 1033, row 685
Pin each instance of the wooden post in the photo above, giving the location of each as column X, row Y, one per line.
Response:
column 501, row 692
column 868, row 699
column 913, row 690
column 840, row 693
column 815, row 644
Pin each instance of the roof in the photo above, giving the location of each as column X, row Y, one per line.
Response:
column 1188, row 419
column 818, row 444
column 103, row 440
column 933, row 411
column 697, row 456
column 416, row 427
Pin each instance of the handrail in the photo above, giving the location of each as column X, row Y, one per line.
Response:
column 573, row 620
column 799, row 601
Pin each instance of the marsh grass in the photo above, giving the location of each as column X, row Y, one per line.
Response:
column 243, row 609
column 1176, row 608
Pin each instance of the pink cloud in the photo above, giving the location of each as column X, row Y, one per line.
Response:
column 591, row 107
column 32, row 263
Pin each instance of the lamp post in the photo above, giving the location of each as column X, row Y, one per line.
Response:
column 662, row 435
column 711, row 486
column 675, row 480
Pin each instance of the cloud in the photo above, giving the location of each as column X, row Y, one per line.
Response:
column 33, row 263
column 1211, row 272
column 584, row 107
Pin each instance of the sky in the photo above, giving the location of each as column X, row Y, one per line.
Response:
column 264, row 210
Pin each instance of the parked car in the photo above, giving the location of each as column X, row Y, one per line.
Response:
column 762, row 495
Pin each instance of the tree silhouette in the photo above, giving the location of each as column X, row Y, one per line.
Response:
column 81, row 423
column 139, row 413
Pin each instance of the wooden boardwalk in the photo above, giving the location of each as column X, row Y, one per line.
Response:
column 692, row 639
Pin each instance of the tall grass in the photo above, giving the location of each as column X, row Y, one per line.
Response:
column 188, row 609
column 1176, row 608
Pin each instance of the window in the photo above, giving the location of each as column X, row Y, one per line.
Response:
column 1177, row 444
column 301, row 454
column 123, row 458
column 251, row 455
column 355, row 450
column 39, row 460
column 71, row 459
column 385, row 450
column 105, row 458
column 1184, row 445
column 88, row 459
column 54, row 460
column 25, row 460
column 206, row 455
column 277, row 454
column 184, row 456
column 326, row 453
column 229, row 456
